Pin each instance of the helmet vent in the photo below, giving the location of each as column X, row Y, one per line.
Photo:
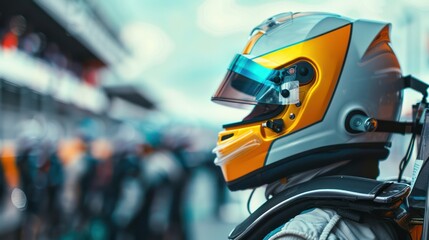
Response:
column 225, row 137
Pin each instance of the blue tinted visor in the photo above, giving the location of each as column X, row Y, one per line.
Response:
column 249, row 83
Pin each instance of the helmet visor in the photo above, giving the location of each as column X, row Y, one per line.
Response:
column 249, row 83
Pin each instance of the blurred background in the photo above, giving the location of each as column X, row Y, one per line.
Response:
column 106, row 124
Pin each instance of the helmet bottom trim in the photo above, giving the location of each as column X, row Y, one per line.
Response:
column 316, row 158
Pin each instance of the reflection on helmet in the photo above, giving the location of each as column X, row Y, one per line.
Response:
column 304, row 73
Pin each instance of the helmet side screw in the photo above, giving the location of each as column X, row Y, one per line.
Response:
column 292, row 116
column 285, row 93
column 298, row 104
column 370, row 125
column 362, row 123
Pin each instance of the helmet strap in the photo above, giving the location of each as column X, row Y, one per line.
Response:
column 249, row 200
column 357, row 121
column 417, row 114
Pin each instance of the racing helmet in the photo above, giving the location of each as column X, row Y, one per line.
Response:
column 305, row 76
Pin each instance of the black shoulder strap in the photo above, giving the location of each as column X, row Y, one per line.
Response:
column 337, row 192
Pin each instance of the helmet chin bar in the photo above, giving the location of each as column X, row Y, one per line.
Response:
column 357, row 121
